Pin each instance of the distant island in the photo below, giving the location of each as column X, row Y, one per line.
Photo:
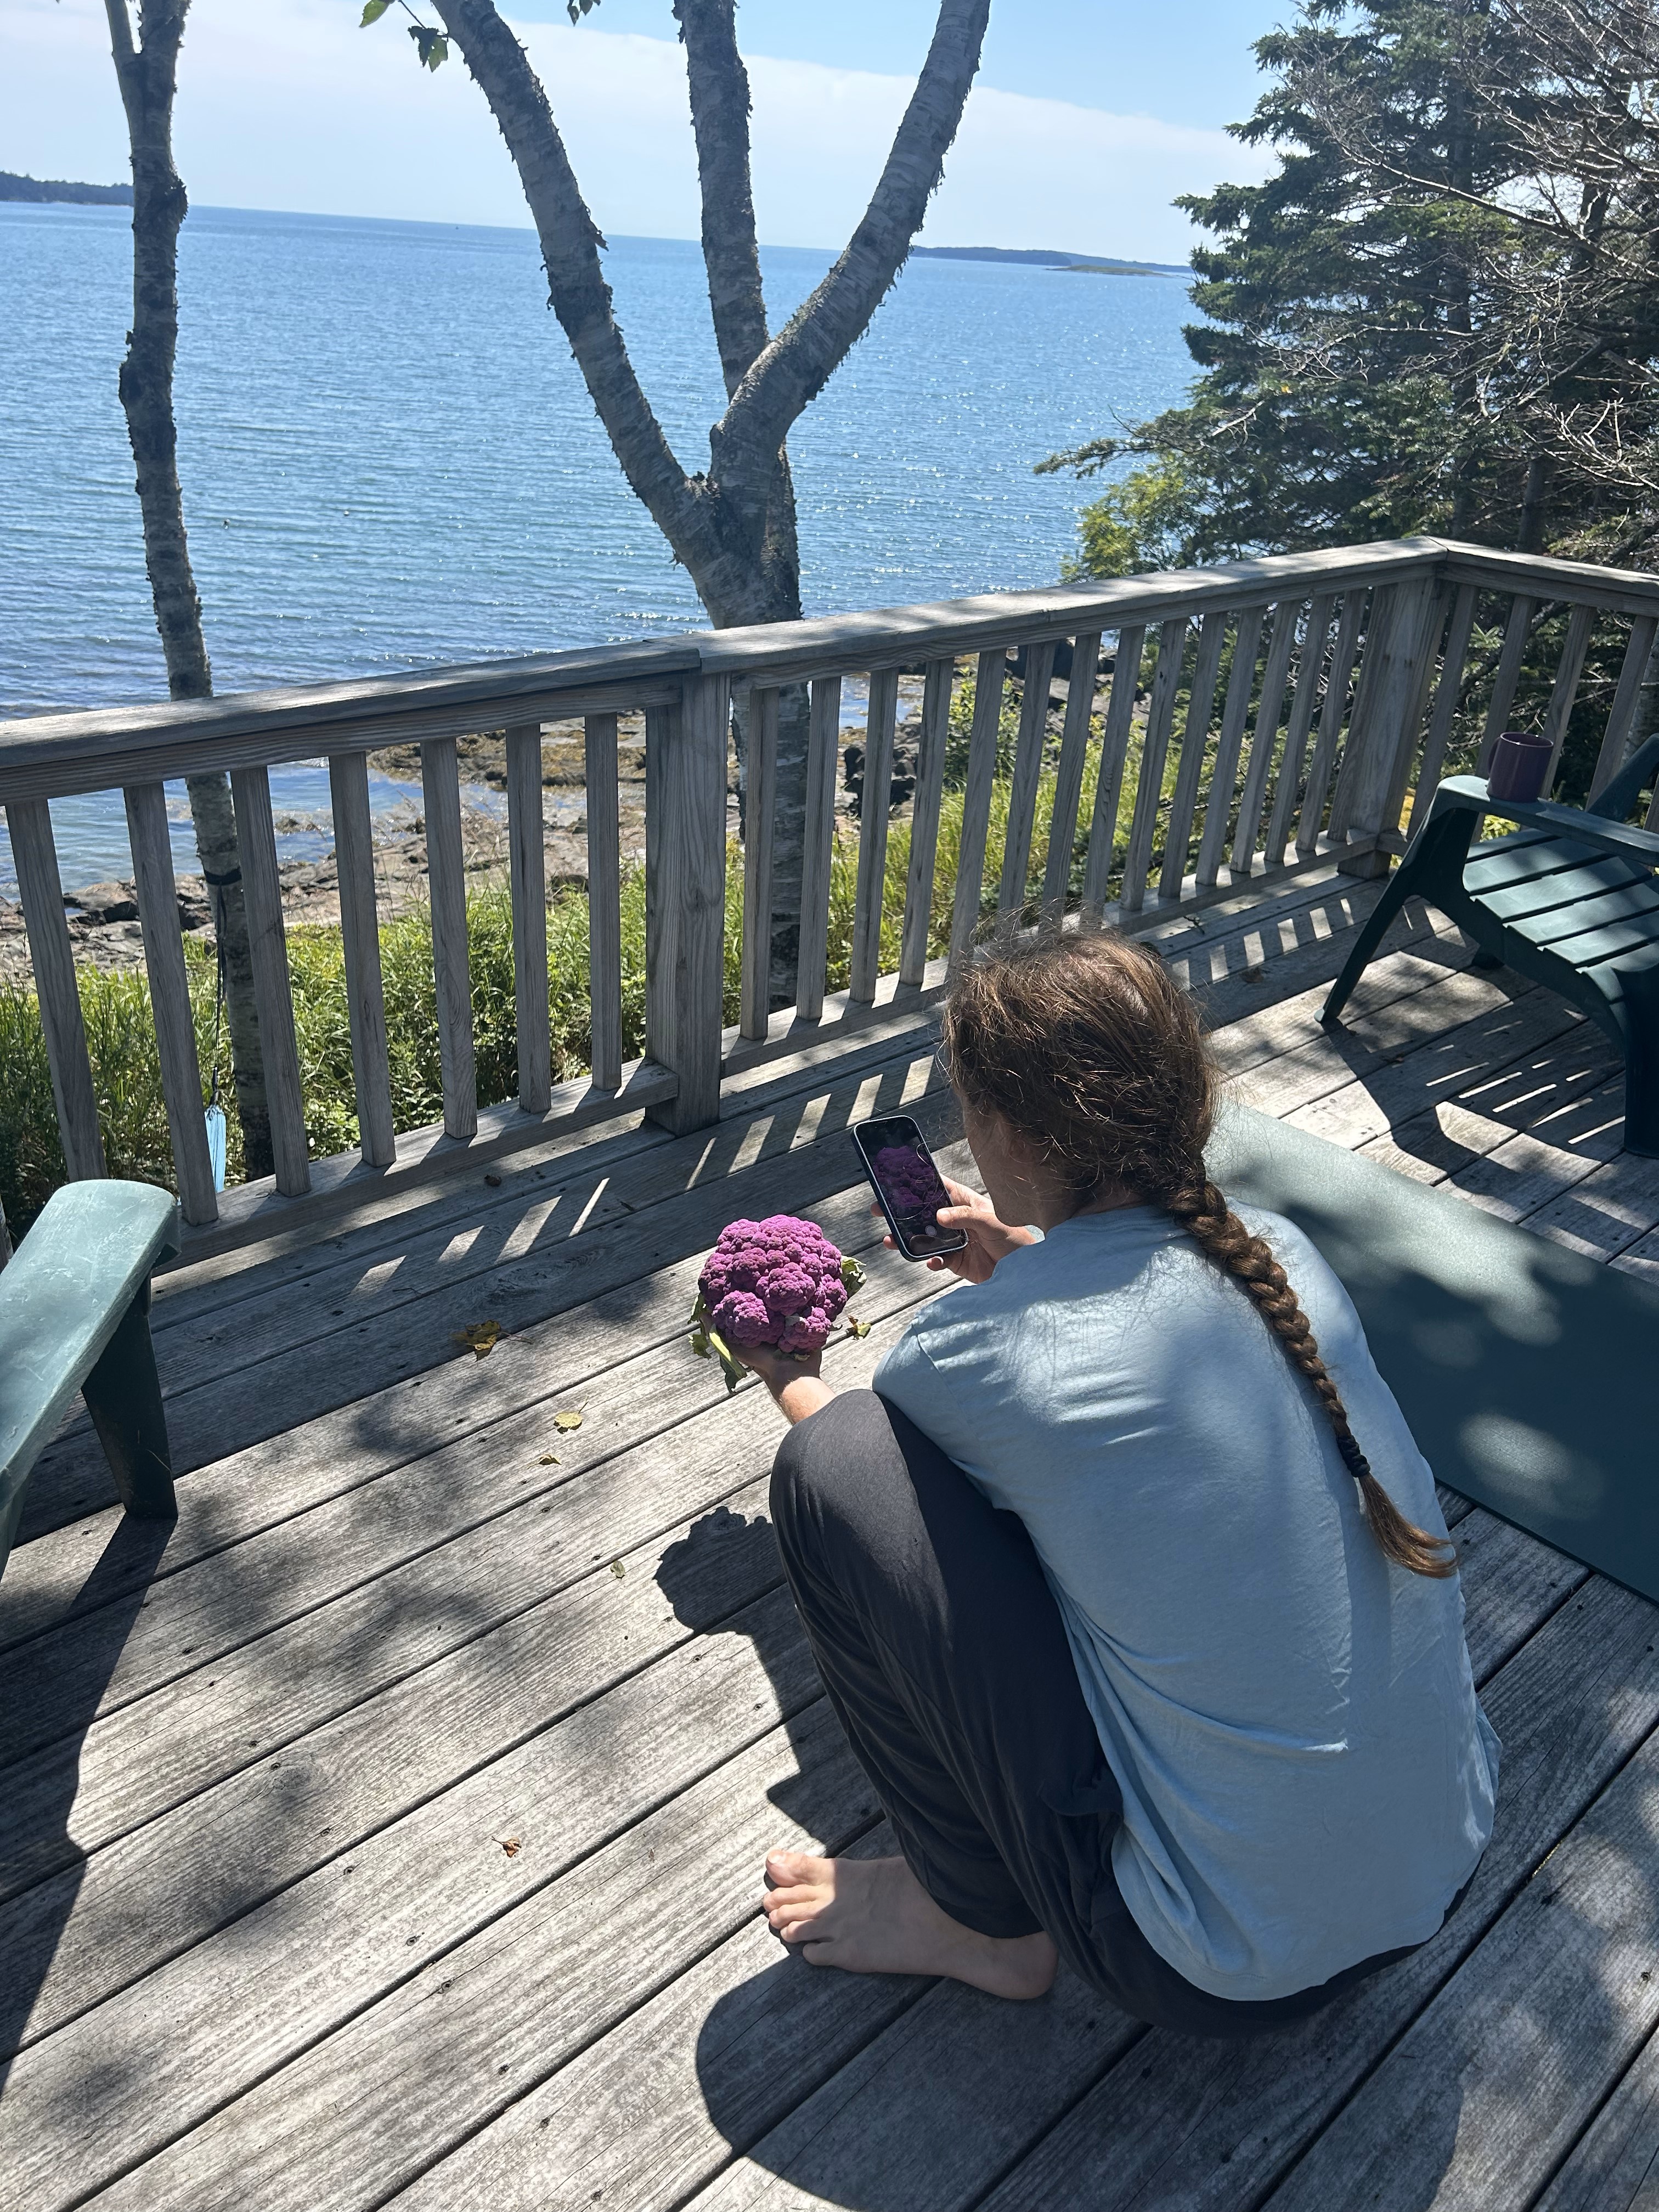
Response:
column 1091, row 264
column 54, row 188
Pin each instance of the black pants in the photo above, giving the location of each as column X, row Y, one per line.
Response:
column 944, row 1655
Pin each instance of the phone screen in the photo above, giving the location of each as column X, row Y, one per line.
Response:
column 900, row 1166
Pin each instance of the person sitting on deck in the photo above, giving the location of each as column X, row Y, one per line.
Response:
column 1126, row 1580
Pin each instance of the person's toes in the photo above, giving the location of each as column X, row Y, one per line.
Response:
column 789, row 1870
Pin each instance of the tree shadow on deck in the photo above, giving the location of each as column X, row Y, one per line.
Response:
column 378, row 1313
column 41, row 1866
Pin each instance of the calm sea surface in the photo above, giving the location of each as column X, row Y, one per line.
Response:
column 389, row 459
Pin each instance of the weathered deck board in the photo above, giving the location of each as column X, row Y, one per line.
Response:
column 541, row 1637
column 1192, row 2125
column 304, row 1971
column 1506, row 2066
column 67, row 1678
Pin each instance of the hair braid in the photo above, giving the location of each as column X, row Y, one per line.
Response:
column 1203, row 1213
column 1086, row 1045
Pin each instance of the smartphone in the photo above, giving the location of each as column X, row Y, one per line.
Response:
column 904, row 1177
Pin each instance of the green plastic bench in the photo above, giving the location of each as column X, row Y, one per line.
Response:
column 1569, row 900
column 74, row 1315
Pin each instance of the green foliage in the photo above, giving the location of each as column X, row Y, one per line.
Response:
column 126, row 1072
column 1134, row 526
column 1438, row 313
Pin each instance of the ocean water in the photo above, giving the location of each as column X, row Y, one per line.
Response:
column 389, row 458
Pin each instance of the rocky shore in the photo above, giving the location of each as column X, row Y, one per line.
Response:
column 103, row 917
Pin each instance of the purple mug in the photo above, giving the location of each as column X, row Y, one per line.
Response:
column 1520, row 762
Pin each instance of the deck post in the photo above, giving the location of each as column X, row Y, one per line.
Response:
column 1388, row 731
column 685, row 898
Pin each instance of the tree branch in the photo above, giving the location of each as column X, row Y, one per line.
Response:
column 797, row 363
column 581, row 297
column 720, row 118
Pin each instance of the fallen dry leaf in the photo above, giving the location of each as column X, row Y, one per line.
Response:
column 855, row 1328
column 567, row 1418
column 617, row 1569
column 480, row 1337
column 549, row 1459
column 512, row 1846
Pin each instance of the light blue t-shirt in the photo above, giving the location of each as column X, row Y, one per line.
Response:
column 1307, row 1777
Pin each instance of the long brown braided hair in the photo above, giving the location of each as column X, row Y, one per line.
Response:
column 1094, row 1056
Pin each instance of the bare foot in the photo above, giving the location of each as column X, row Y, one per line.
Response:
column 873, row 1916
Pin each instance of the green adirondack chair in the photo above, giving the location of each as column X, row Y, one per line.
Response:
column 1568, row 899
column 74, row 1315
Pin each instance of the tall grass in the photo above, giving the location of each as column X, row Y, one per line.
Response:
column 121, row 1039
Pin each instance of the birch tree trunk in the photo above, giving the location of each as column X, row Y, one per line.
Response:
column 731, row 525
column 147, row 71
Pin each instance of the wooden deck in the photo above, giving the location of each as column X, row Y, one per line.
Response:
column 389, row 1830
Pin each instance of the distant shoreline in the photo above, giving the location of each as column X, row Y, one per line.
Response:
column 57, row 191
column 1037, row 257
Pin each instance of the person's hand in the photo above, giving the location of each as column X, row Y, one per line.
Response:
column 795, row 1379
column 988, row 1239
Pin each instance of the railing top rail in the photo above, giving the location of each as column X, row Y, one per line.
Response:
column 1580, row 583
column 54, row 755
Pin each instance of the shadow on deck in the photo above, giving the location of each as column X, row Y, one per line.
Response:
column 387, row 1831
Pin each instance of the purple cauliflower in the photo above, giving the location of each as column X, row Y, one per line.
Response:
column 910, row 1182
column 778, row 1281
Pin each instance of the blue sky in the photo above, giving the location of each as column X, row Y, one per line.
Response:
column 1089, row 118
column 1188, row 63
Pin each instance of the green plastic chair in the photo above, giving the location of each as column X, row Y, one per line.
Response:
column 74, row 1315
column 1569, row 900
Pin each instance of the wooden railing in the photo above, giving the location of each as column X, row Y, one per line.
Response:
column 1243, row 724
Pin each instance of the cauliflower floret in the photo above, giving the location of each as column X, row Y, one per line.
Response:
column 779, row 1281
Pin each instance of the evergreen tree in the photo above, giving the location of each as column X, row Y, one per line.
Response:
column 1440, row 314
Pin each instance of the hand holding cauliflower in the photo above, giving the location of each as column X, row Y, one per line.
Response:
column 779, row 1282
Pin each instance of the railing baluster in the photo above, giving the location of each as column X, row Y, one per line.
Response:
column 924, row 820
column 527, row 876
column 874, row 809
column 685, row 905
column 446, row 860
column 1218, row 809
column 170, row 998
column 1508, row 678
column 604, row 903
column 1310, row 668
column 1564, row 689
column 1028, row 773
column 1447, row 693
column 1068, row 779
column 56, row 991
column 1155, row 746
column 822, row 751
column 990, row 676
column 273, row 989
column 1109, row 785
column 1331, row 710
column 360, row 933
column 1621, row 722
column 759, row 827
column 1195, row 742
column 1264, row 736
